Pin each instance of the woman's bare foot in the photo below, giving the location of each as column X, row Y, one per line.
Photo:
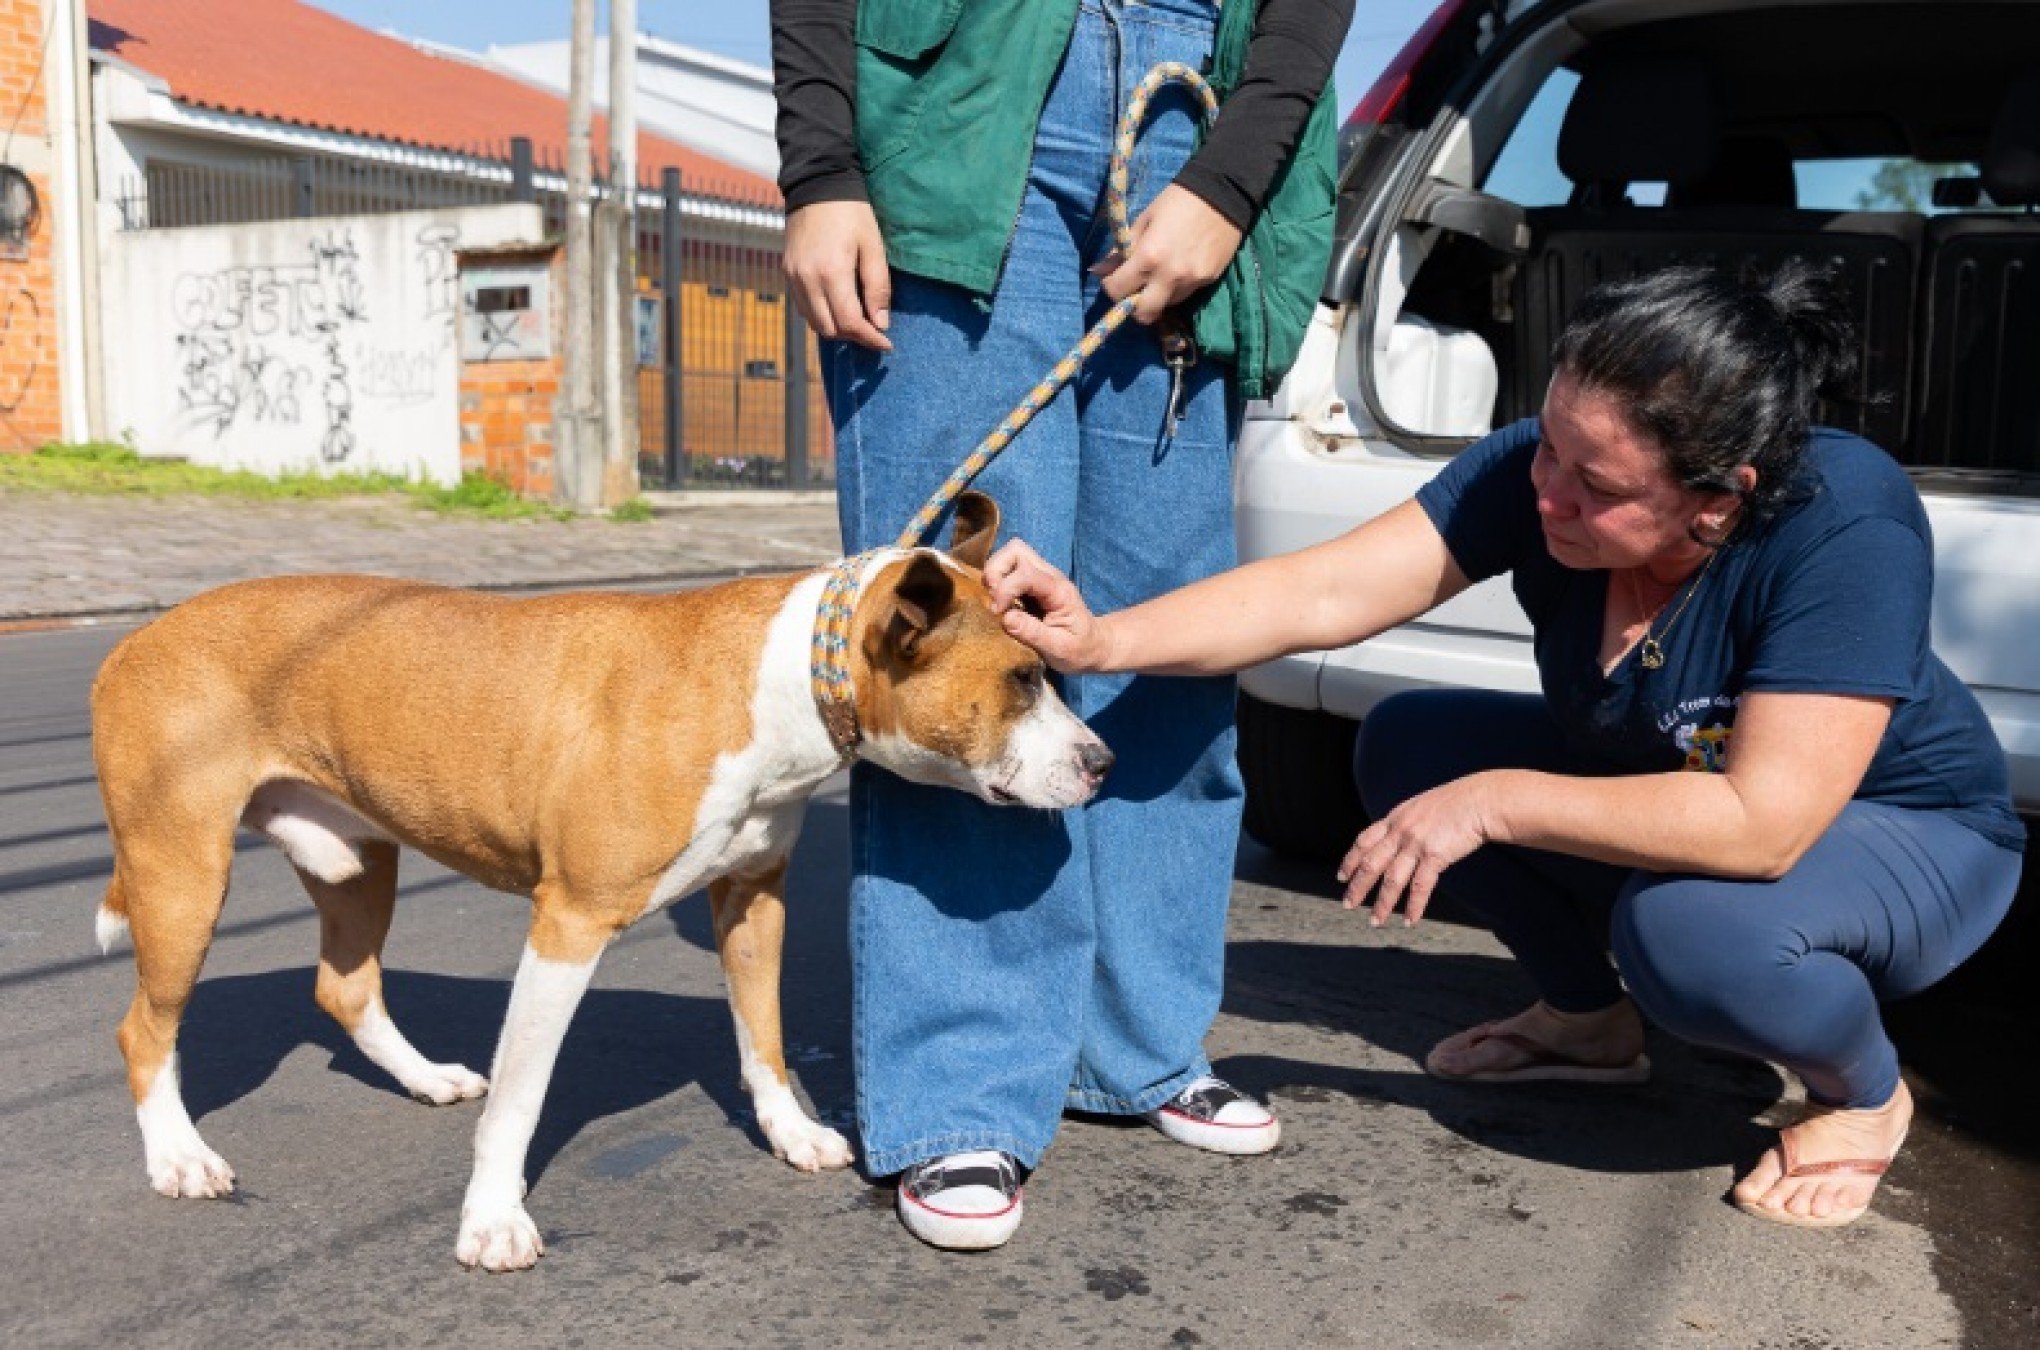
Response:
column 1823, row 1199
column 1610, row 1038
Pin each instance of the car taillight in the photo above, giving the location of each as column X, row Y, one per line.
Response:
column 1380, row 101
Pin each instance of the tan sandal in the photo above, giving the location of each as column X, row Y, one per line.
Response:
column 1542, row 1063
column 1840, row 1167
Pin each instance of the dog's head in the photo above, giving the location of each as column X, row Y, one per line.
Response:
column 947, row 697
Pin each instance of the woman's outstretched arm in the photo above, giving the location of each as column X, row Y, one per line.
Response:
column 1370, row 579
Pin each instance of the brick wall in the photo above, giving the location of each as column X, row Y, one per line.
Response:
column 30, row 414
column 506, row 410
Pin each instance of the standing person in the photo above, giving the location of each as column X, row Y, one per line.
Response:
column 944, row 166
column 1746, row 755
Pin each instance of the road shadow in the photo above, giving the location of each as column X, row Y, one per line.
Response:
column 1951, row 1039
column 1697, row 1111
column 1973, row 1161
column 817, row 904
column 625, row 1048
column 1954, row 1039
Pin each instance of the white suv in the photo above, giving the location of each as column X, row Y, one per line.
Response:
column 1516, row 154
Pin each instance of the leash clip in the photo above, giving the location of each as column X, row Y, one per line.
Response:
column 1179, row 353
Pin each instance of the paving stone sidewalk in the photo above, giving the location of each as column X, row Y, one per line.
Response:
column 79, row 556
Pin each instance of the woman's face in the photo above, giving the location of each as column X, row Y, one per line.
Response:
column 1605, row 495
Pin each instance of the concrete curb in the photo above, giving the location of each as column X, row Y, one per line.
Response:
column 681, row 500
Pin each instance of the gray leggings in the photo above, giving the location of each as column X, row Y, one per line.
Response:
column 1883, row 905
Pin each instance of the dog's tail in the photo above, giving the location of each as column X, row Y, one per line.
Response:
column 111, row 923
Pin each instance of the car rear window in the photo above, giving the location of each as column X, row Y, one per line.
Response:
column 1879, row 184
column 1527, row 173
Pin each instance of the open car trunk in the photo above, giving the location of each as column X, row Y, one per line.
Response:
column 1602, row 140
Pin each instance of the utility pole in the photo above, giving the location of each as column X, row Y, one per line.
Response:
column 616, row 268
column 577, row 452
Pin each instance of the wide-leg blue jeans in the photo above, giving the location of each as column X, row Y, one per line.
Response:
column 1011, row 963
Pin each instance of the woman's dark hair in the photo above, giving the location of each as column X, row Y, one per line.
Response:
column 1718, row 372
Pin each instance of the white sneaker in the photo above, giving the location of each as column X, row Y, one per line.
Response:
column 965, row 1202
column 1212, row 1114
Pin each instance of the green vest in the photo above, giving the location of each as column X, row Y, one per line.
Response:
column 948, row 95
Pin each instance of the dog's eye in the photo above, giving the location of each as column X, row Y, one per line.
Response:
column 1028, row 678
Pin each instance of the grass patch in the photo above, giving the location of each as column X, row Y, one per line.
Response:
column 480, row 494
column 105, row 469
column 636, row 509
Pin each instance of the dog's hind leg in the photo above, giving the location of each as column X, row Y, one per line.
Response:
column 559, row 959
column 354, row 918
column 171, row 885
column 750, row 930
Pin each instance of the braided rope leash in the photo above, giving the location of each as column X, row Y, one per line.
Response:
column 829, row 666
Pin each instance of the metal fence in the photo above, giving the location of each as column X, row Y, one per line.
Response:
column 740, row 389
column 728, row 387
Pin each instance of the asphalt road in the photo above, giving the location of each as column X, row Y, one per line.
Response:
column 1399, row 1210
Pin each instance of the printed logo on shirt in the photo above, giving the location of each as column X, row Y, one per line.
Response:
column 1704, row 738
column 1706, row 747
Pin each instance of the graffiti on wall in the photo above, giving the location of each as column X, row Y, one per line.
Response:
column 20, row 317
column 441, row 271
column 415, row 374
column 300, row 344
column 272, row 343
column 262, row 343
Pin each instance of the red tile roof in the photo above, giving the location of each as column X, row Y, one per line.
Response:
column 289, row 62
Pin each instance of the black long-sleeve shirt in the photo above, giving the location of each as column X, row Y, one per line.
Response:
column 1291, row 54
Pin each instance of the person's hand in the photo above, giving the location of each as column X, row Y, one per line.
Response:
column 1400, row 856
column 835, row 262
column 1180, row 245
column 1043, row 608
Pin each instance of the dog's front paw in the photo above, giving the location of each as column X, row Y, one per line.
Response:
column 445, row 1084
column 498, row 1238
column 809, row 1146
column 191, row 1170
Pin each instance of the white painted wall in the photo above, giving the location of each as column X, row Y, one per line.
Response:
column 328, row 344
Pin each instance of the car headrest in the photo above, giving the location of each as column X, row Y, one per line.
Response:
column 1656, row 120
column 1748, row 171
column 2011, row 162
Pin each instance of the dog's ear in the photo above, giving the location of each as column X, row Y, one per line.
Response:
column 926, row 592
column 977, row 529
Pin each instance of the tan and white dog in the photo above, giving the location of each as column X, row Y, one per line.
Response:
column 605, row 754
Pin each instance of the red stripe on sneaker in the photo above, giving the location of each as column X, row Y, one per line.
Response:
column 1216, row 1124
column 951, row 1214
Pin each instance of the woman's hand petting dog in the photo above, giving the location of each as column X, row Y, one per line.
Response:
column 1043, row 608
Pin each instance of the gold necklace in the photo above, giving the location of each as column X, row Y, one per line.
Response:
column 1651, row 652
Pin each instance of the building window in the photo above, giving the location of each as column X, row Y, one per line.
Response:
column 502, row 299
column 20, row 211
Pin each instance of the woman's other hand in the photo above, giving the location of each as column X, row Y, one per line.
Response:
column 1180, row 245
column 1043, row 608
column 1400, row 856
column 835, row 262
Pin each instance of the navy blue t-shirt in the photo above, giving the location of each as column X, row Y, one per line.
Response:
column 1831, row 596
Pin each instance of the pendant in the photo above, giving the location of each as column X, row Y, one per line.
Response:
column 1652, row 655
